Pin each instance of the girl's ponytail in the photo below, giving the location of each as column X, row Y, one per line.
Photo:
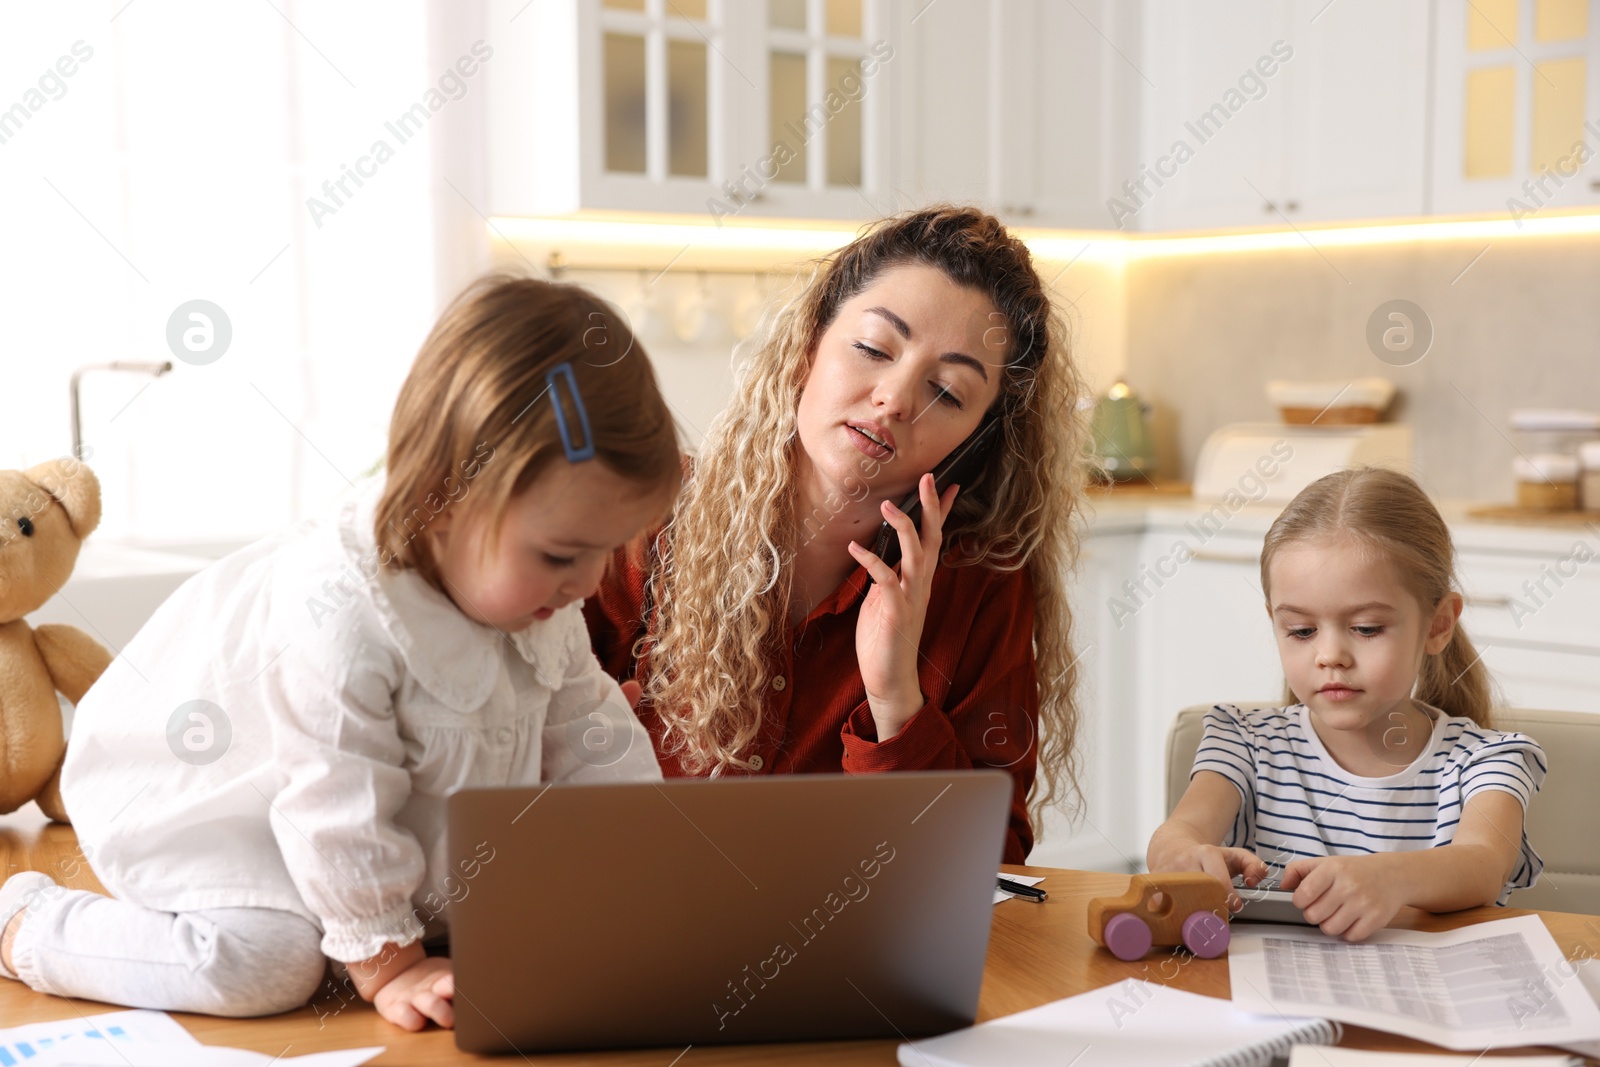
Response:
column 1457, row 683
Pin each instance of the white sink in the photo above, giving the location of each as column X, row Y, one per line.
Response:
column 115, row 588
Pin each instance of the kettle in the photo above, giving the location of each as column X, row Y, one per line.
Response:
column 1122, row 447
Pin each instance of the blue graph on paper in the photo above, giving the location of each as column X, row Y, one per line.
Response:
column 21, row 1052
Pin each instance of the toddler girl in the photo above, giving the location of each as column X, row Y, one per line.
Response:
column 259, row 779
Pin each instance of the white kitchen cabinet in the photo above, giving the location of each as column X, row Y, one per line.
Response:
column 1535, row 617
column 812, row 108
column 707, row 107
column 817, row 113
column 1554, row 678
column 1156, row 632
column 943, row 75
column 1269, row 111
column 1103, row 835
column 1205, row 637
column 1026, row 107
column 1516, row 94
column 1212, row 152
column 1099, row 114
column 1358, row 145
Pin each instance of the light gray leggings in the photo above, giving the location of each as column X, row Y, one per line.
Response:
column 220, row 961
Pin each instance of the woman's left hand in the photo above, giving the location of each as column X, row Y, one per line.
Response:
column 889, row 630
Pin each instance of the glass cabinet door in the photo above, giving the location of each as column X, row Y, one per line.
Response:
column 658, row 85
column 1517, row 106
column 818, row 63
column 704, row 107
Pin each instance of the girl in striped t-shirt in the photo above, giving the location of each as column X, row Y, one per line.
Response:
column 1386, row 785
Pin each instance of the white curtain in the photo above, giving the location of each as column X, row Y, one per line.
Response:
column 157, row 152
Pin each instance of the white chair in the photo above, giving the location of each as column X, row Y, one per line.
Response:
column 1563, row 819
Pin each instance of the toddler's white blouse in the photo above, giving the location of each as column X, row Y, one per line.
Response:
column 284, row 730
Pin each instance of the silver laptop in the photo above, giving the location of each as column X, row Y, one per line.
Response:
column 800, row 907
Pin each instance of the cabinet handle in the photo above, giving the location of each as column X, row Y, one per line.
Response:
column 1488, row 601
column 1293, row 205
column 1267, row 207
column 1208, row 556
column 1594, row 183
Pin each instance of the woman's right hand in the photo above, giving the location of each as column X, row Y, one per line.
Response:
column 425, row 990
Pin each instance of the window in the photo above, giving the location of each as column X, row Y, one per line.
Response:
column 225, row 153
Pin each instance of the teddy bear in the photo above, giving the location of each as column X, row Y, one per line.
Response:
column 45, row 513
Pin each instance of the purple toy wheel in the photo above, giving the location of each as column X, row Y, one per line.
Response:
column 1127, row 936
column 1206, row 934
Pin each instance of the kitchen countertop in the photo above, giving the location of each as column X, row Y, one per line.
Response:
column 1130, row 511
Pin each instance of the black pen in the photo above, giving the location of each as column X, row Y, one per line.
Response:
column 1027, row 892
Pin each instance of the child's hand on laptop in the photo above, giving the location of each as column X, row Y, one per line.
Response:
column 1346, row 896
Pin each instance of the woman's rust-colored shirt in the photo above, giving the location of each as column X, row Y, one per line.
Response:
column 976, row 671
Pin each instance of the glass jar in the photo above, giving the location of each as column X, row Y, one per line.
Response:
column 1548, row 431
column 1589, row 476
column 1547, row 481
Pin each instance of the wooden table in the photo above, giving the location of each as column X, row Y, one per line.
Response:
column 1037, row 953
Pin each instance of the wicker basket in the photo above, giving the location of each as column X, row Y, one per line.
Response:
column 1335, row 416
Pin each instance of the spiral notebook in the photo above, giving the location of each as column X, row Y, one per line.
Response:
column 1131, row 1024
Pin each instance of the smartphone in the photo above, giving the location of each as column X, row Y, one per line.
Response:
column 962, row 465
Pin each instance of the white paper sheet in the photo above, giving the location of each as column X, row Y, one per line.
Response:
column 1318, row 1056
column 101, row 1055
column 1133, row 1023
column 19, row 1044
column 1492, row 985
column 141, row 1039
column 1025, row 879
column 1589, row 977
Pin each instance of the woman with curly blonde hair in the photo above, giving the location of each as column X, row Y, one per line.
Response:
column 767, row 636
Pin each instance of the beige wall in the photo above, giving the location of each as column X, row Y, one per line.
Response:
column 697, row 379
column 1520, row 328
column 1091, row 294
column 1198, row 336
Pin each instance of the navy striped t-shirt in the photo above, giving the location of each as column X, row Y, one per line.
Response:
column 1297, row 801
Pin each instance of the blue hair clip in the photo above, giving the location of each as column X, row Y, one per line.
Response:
column 574, row 454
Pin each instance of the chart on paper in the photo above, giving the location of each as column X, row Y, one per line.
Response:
column 1458, row 986
column 126, row 1028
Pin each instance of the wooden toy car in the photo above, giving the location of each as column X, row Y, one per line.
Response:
column 1186, row 908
